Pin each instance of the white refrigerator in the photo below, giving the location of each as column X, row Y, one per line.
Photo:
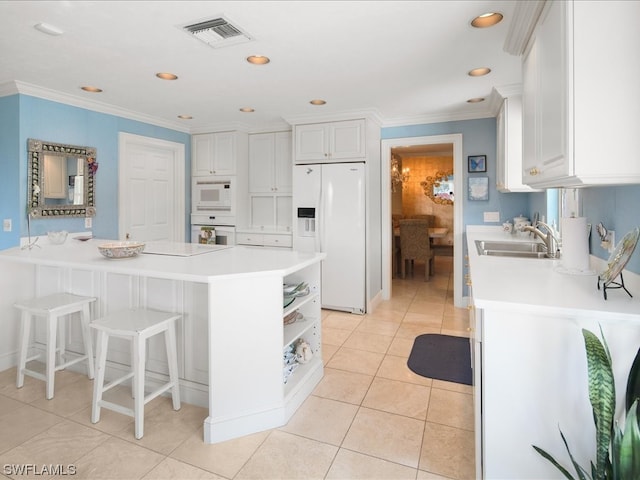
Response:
column 330, row 217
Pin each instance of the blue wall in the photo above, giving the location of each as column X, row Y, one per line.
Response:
column 29, row 117
column 10, row 170
column 618, row 208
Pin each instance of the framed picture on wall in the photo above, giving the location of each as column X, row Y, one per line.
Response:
column 478, row 188
column 477, row 163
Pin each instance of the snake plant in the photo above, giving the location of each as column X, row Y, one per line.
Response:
column 617, row 451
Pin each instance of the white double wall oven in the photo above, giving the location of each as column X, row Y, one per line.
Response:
column 213, row 207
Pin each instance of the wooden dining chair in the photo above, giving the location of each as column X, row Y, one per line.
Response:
column 414, row 245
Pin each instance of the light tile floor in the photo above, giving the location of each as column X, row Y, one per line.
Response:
column 369, row 418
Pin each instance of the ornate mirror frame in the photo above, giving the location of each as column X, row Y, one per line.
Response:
column 431, row 182
column 36, row 151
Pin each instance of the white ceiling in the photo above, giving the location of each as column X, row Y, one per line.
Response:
column 405, row 62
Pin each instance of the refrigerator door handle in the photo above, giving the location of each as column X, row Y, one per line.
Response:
column 320, row 222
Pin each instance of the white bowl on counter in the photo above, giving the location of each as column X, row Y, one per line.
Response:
column 57, row 238
column 121, row 249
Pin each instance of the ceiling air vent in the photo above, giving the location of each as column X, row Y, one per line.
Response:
column 217, row 32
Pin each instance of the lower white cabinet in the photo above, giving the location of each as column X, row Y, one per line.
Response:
column 266, row 239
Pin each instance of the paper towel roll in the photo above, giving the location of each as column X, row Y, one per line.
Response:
column 575, row 244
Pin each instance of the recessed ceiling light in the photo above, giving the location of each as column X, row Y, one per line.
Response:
column 166, row 76
column 91, row 89
column 478, row 72
column 258, row 59
column 475, row 100
column 247, row 109
column 317, row 101
column 185, row 117
column 486, row 20
column 48, row 29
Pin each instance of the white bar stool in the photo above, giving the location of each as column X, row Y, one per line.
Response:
column 53, row 307
column 137, row 325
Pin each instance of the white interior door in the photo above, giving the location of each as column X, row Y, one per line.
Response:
column 151, row 189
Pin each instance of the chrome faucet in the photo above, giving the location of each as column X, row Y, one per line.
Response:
column 549, row 239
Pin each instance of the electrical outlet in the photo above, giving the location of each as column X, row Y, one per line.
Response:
column 6, row 225
column 87, row 222
column 491, row 217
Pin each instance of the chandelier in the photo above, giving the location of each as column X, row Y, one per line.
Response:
column 398, row 177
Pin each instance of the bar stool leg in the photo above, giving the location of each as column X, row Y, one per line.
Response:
column 101, row 365
column 25, row 331
column 139, row 354
column 52, row 328
column 172, row 360
column 85, row 320
column 62, row 337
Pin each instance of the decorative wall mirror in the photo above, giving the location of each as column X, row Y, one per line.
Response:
column 61, row 179
column 439, row 187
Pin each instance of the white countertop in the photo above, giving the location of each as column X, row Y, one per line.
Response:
column 205, row 267
column 537, row 285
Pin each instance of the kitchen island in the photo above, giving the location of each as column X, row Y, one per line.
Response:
column 231, row 336
column 530, row 369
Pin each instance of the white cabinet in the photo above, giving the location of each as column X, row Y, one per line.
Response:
column 266, row 239
column 307, row 328
column 509, row 146
column 217, row 153
column 580, row 125
column 270, row 162
column 330, row 142
column 271, row 211
column 270, row 181
column 475, row 341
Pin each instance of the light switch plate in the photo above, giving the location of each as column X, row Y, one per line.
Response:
column 6, row 225
column 491, row 216
column 87, row 222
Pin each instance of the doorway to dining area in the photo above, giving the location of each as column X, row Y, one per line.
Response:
column 423, row 163
column 425, row 188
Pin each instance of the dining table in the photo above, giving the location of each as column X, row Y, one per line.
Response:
column 434, row 232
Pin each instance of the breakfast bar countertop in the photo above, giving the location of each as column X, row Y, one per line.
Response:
column 227, row 262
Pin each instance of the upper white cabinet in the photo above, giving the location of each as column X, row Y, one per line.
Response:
column 330, row 142
column 509, row 146
column 580, row 95
column 270, row 162
column 217, row 153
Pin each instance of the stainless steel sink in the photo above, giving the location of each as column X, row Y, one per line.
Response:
column 512, row 249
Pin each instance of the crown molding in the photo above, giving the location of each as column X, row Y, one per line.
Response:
column 271, row 127
column 12, row 88
column 498, row 94
column 485, row 112
column 525, row 17
column 220, row 127
column 7, row 89
column 368, row 114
